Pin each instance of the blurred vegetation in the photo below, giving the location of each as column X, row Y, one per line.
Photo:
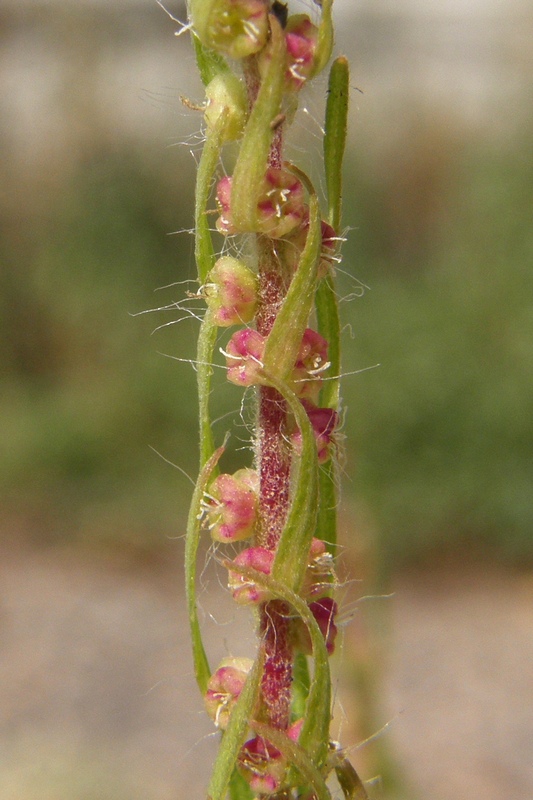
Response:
column 440, row 434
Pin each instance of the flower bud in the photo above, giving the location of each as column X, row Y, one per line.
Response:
column 323, row 421
column 236, row 28
column 244, row 355
column 292, row 247
column 301, row 38
column 262, row 765
column 310, row 363
column 232, row 507
column 231, row 292
column 226, row 94
column 280, row 205
column 244, row 590
column 324, row 611
column 224, row 688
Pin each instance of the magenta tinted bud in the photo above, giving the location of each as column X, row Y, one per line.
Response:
column 280, row 205
column 324, row 612
column 301, row 38
column 262, row 766
column 232, row 506
column 231, row 292
column 296, row 242
column 244, row 590
column 324, row 422
column 244, row 357
column 311, row 362
column 224, row 688
column 224, row 222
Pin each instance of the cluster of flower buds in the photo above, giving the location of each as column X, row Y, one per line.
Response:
column 224, row 688
column 280, row 206
column 231, row 292
column 231, row 506
column 262, row 764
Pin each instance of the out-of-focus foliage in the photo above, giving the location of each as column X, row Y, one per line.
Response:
column 443, row 427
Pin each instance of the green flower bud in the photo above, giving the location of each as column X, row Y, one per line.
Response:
column 237, row 28
column 226, row 95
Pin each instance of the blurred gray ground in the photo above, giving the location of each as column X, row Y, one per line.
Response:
column 97, row 700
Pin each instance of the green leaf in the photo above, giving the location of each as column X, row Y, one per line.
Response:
column 285, row 338
column 335, row 136
column 325, row 37
column 238, row 788
column 235, row 733
column 296, row 756
column 204, row 358
column 328, row 323
column 201, row 664
column 252, row 160
column 210, row 64
column 300, row 686
column 350, row 782
column 203, row 244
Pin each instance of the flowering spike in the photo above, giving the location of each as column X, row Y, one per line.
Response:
column 272, row 276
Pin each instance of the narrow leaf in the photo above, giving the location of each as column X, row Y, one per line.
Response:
column 325, row 37
column 203, row 246
column 284, row 340
column 335, row 136
column 204, row 358
column 210, row 64
column 201, row 665
column 252, row 160
column 350, row 782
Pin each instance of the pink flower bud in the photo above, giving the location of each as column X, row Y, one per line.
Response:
column 232, row 506
column 311, row 362
column 301, row 37
column 294, row 245
column 280, row 205
column 224, row 688
column 244, row 354
column 324, row 611
column 262, row 765
column 226, row 94
column 323, row 421
column 243, row 589
column 231, row 292
column 237, row 28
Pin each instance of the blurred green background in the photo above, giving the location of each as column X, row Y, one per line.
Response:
column 439, row 202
